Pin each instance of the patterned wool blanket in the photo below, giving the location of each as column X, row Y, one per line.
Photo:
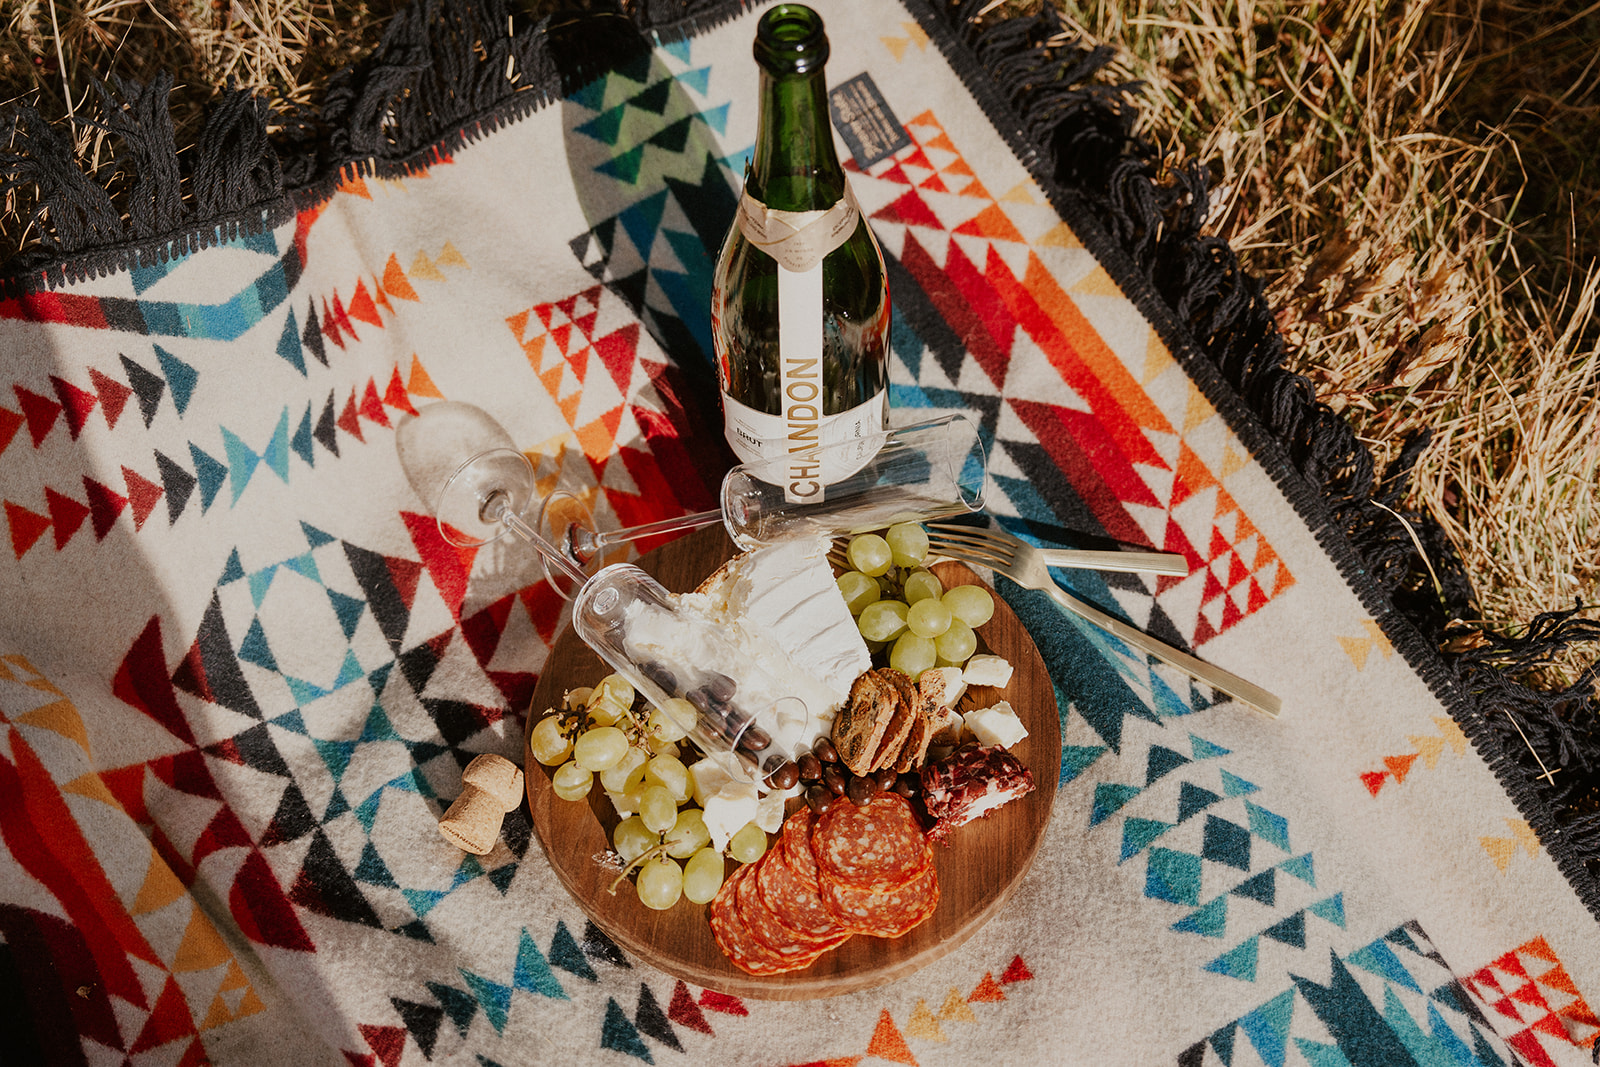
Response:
column 241, row 673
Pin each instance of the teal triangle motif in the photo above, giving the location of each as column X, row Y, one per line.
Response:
column 291, row 720
column 1075, row 759
column 618, row 1033
column 1399, row 936
column 641, row 221
column 378, row 677
column 1237, row 963
column 737, row 162
column 1209, row 920
column 304, row 692
column 350, row 671
column 672, row 137
column 372, row 870
column 1301, row 868
column 1204, row 749
column 501, row 877
column 348, row 609
column 337, row 806
column 605, row 126
column 717, row 118
column 1455, row 1048
column 260, row 582
column 1268, row 1028
column 1222, row 1042
column 458, row 1005
column 1273, row 829
column 678, row 50
column 1319, row 1055
column 1192, row 798
column 1109, row 798
column 654, row 98
column 254, row 647
column 592, row 95
column 276, row 456
column 1331, row 909
column 1160, row 761
column 304, row 564
column 698, row 79
column 565, row 953
column 315, row 537
column 232, row 571
column 241, row 462
column 301, row 441
column 1262, row 887
column 378, row 727
column 1138, row 833
column 409, row 782
column 289, row 344
column 1424, row 1049
column 1380, row 959
column 335, row 755
column 181, row 378
column 422, row 901
column 1168, row 704
column 1234, row 786
column 367, row 811
column 533, row 974
column 468, row 869
column 211, row 474
column 494, row 998
column 1173, row 876
column 624, row 167
column 1290, row 931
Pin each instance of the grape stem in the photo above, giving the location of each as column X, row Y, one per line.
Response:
column 638, row 860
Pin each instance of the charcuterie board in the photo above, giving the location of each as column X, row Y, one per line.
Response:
column 977, row 870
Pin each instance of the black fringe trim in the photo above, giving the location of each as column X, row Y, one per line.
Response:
column 449, row 72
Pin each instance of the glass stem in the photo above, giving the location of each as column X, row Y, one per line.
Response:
column 551, row 553
column 602, row 538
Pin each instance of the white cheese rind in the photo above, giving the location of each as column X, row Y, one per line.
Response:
column 728, row 810
column 997, row 726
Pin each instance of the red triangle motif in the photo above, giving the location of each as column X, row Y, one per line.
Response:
column 360, row 1059
column 105, row 505
column 586, row 323
column 1017, row 972
column 1539, row 948
column 66, row 514
column 186, row 772
column 1202, row 631
column 40, row 411
column 143, row 494
column 404, row 573
column 910, row 210
column 1511, row 965
column 447, row 565
column 379, row 297
column 895, row 174
column 1230, row 612
column 543, row 311
column 1529, row 993
column 344, row 318
column 1374, row 780
column 1400, row 765
column 10, row 421
column 330, row 325
column 561, row 335
column 191, row 675
column 361, row 306
column 395, row 396
column 685, row 1012
column 347, row 420
column 991, row 223
column 113, row 397
column 263, row 913
column 987, row 991
column 918, row 158
column 75, row 402
column 372, row 406
column 1558, row 979
column 1258, row 599
column 223, row 831
column 934, row 184
column 1237, row 571
column 395, row 281
column 887, row 1042
column 723, row 1002
column 26, row 527
column 618, row 350
column 389, row 1042
column 169, row 1019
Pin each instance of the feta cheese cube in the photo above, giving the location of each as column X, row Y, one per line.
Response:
column 997, row 726
column 706, row 777
column 769, row 811
column 728, row 810
column 986, row 670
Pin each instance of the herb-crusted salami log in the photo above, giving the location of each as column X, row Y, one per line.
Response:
column 877, row 846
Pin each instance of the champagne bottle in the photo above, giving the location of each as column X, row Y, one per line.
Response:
column 800, row 304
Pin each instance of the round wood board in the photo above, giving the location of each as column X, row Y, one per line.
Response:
column 978, row 868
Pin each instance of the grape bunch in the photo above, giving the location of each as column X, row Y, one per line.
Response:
column 902, row 606
column 635, row 751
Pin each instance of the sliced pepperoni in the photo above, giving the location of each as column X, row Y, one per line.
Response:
column 794, row 904
column 877, row 846
column 882, row 914
column 795, row 843
column 769, row 929
column 736, row 940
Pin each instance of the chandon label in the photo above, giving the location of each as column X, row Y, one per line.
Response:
column 779, row 448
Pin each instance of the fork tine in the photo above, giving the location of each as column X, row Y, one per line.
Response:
column 972, row 551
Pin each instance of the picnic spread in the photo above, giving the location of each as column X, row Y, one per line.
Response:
column 243, row 673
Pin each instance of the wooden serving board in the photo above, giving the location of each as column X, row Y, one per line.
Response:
column 978, row 869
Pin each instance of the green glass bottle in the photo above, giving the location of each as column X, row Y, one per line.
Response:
column 800, row 304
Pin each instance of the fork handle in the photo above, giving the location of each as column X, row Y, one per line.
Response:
column 1130, row 562
column 1216, row 677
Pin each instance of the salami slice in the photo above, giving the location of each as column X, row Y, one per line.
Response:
column 877, row 846
column 794, row 904
column 893, row 913
column 787, row 942
column 735, row 938
column 795, row 843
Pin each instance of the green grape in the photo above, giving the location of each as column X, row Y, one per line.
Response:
column 858, row 590
column 883, row 620
column 657, row 808
column 920, row 585
column 908, row 541
column 626, row 772
column 913, row 655
column 702, row 875
column 688, row 835
column 870, row 554
column 615, row 690
column 747, row 843
column 972, row 604
column 633, row 839
column 874, row 647
column 579, row 697
column 571, row 782
column 672, row 720
column 956, row 645
column 660, row 882
column 928, row 617
column 599, row 748
column 670, row 773
column 603, row 713
column 547, row 743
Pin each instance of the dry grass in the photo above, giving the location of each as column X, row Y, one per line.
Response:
column 1416, row 179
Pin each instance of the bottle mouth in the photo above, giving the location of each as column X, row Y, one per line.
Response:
column 790, row 40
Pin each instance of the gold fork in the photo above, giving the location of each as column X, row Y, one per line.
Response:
column 992, row 542
column 1025, row 565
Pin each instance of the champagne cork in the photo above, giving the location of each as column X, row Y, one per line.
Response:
column 490, row 787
